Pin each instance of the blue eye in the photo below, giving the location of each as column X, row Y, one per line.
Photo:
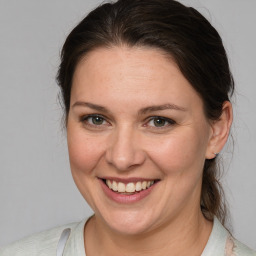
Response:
column 160, row 122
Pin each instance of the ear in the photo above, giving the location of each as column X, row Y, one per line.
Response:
column 220, row 131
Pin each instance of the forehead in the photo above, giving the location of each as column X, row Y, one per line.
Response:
column 137, row 62
column 131, row 74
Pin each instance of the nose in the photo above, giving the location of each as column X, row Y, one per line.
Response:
column 125, row 150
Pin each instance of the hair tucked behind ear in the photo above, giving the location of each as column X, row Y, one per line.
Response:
column 183, row 34
column 212, row 194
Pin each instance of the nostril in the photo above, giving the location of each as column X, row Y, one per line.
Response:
column 125, row 161
column 124, row 150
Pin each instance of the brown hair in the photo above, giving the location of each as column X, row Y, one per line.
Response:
column 183, row 34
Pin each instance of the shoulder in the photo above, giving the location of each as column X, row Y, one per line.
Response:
column 41, row 244
column 221, row 243
column 236, row 248
column 241, row 249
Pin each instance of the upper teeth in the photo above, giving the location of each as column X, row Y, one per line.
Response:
column 129, row 187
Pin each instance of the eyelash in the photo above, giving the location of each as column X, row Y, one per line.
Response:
column 169, row 122
column 84, row 120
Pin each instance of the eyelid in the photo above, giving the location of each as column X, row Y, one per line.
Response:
column 84, row 118
column 168, row 120
column 92, row 115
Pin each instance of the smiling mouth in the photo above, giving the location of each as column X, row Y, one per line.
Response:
column 129, row 188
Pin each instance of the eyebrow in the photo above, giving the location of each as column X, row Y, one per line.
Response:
column 90, row 105
column 161, row 107
column 141, row 111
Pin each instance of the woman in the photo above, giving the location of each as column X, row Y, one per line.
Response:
column 145, row 87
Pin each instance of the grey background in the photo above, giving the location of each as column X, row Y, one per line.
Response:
column 36, row 188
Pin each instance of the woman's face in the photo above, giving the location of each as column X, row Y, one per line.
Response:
column 137, row 139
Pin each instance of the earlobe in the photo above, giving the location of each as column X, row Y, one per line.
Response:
column 220, row 131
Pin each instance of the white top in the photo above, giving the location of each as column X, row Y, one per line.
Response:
column 68, row 240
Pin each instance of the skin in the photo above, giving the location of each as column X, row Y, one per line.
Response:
column 128, row 144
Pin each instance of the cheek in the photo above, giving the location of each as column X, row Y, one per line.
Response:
column 84, row 152
column 180, row 152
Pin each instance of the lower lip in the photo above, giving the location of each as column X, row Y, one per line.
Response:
column 125, row 199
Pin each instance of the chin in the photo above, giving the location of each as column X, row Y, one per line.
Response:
column 129, row 223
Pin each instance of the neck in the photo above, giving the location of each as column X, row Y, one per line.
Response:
column 186, row 235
